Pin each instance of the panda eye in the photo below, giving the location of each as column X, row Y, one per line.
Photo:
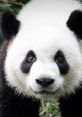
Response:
column 30, row 57
column 61, row 62
column 59, row 58
column 28, row 61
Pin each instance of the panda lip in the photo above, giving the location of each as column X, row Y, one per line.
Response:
column 45, row 92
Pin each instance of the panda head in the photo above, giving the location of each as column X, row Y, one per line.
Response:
column 43, row 61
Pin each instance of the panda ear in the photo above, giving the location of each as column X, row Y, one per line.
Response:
column 9, row 25
column 75, row 23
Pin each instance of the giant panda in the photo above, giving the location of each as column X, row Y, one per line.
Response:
column 41, row 58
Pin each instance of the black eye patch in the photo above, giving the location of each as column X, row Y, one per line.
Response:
column 61, row 62
column 28, row 61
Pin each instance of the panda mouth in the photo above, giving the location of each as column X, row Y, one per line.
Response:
column 45, row 92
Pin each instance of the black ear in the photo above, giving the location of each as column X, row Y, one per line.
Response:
column 75, row 23
column 9, row 25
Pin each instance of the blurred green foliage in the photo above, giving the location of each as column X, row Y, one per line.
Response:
column 14, row 6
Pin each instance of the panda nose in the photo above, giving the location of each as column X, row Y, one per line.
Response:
column 45, row 82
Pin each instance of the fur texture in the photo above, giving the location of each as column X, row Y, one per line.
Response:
column 50, row 36
column 42, row 58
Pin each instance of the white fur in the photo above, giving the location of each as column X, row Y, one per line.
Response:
column 43, row 30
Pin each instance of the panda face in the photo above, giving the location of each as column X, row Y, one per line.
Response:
column 44, row 57
column 49, row 65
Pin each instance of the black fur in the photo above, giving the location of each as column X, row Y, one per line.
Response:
column 9, row 25
column 61, row 62
column 11, row 104
column 75, row 23
column 71, row 106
